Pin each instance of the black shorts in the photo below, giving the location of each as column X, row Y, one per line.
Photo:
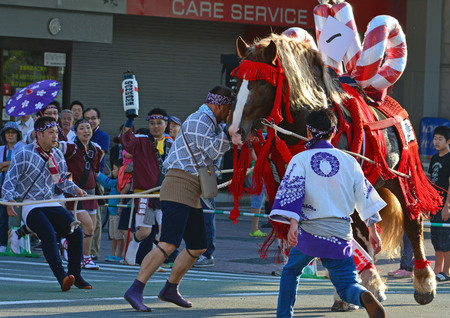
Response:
column 440, row 236
column 124, row 220
column 181, row 221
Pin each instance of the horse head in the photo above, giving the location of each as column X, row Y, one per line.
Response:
column 254, row 98
column 278, row 74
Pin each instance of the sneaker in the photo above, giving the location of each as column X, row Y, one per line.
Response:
column 64, row 249
column 111, row 258
column 442, row 277
column 130, row 257
column 403, row 274
column 258, row 234
column 67, row 282
column 166, row 265
column 266, row 225
column 14, row 241
column 81, row 283
column 277, row 272
column 204, row 262
column 2, row 249
column 161, row 270
column 392, row 273
column 88, row 263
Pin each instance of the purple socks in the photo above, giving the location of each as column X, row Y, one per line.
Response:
column 135, row 296
column 170, row 293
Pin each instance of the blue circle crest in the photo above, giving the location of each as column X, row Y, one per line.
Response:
column 319, row 159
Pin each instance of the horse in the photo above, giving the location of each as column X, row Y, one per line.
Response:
column 312, row 85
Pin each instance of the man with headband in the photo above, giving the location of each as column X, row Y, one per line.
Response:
column 35, row 170
column 144, row 149
column 321, row 188
column 180, row 197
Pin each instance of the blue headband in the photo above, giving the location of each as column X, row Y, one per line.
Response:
column 317, row 135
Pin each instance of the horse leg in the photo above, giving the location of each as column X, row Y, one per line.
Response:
column 424, row 278
column 340, row 305
column 369, row 275
column 369, row 279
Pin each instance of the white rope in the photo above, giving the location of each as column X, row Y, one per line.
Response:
column 75, row 224
column 265, row 122
column 88, row 197
column 143, row 194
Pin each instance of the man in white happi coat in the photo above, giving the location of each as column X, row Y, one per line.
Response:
column 320, row 190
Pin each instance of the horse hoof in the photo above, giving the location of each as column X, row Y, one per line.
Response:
column 380, row 297
column 424, row 298
column 338, row 306
column 341, row 306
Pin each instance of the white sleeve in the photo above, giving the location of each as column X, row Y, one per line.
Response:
column 367, row 200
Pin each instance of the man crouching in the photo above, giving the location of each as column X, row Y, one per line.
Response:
column 35, row 169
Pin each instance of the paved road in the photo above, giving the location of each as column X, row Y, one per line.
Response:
column 239, row 285
column 28, row 289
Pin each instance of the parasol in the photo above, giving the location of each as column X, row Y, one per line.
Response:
column 32, row 98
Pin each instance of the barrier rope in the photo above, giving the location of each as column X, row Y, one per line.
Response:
column 260, row 215
column 143, row 194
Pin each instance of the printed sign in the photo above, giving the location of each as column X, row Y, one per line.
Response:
column 55, row 59
column 335, row 39
column 360, row 256
column 426, row 147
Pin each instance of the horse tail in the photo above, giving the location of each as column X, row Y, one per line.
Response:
column 391, row 223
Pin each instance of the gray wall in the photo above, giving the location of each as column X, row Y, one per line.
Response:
column 424, row 88
column 175, row 62
column 24, row 22
column 444, row 108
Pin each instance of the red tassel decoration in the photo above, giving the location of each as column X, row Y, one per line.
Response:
column 279, row 231
column 253, row 71
column 237, row 183
column 263, row 157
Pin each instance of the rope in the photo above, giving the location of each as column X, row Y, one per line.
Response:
column 75, row 224
column 265, row 122
column 429, row 224
column 259, row 215
column 143, row 194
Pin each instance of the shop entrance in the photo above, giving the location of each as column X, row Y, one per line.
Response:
column 22, row 64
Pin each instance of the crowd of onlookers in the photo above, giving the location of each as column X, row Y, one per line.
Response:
column 85, row 147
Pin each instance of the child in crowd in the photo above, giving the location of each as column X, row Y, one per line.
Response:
column 117, row 242
column 440, row 174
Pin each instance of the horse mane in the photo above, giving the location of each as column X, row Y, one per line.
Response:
column 310, row 83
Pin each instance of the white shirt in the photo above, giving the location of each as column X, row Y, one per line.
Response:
column 25, row 128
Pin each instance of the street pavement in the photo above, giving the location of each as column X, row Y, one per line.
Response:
column 239, row 285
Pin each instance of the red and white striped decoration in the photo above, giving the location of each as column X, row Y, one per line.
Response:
column 301, row 35
column 384, row 35
column 321, row 13
column 343, row 12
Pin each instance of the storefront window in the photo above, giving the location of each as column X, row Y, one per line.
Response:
column 21, row 68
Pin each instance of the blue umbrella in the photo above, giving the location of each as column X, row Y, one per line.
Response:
column 32, row 98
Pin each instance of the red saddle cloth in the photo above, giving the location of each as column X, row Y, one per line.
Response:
column 419, row 195
column 365, row 132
